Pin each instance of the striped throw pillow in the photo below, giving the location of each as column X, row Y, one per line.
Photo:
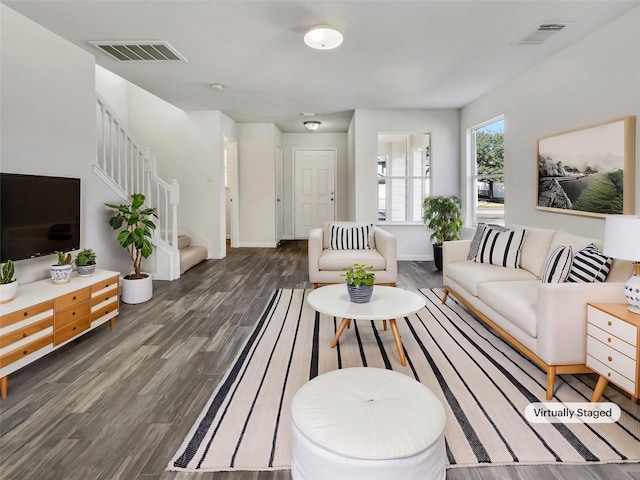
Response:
column 558, row 265
column 500, row 248
column 477, row 237
column 350, row 238
column 589, row 265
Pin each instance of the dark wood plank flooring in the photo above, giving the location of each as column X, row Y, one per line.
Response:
column 117, row 404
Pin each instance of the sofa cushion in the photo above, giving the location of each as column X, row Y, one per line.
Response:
column 326, row 234
column 477, row 237
column 516, row 301
column 535, row 248
column 501, row 248
column 558, row 265
column 350, row 238
column 470, row 274
column 336, row 260
column 576, row 242
column 589, row 265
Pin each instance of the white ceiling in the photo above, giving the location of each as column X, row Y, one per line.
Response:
column 396, row 54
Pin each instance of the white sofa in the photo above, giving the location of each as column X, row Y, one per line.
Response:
column 326, row 264
column 546, row 321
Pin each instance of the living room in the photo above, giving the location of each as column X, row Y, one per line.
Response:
column 48, row 128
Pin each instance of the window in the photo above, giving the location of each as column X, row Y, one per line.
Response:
column 403, row 176
column 488, row 185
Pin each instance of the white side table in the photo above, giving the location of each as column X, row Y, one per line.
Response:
column 387, row 303
column 613, row 347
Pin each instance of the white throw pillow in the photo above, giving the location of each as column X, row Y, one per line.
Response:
column 558, row 265
column 589, row 265
column 500, row 248
column 350, row 238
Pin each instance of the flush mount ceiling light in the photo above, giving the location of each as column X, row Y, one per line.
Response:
column 312, row 125
column 323, row 37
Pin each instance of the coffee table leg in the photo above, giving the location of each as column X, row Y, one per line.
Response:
column 343, row 325
column 396, row 337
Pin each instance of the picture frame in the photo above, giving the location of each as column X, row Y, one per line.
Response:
column 589, row 170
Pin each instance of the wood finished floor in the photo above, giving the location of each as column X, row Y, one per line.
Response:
column 117, row 404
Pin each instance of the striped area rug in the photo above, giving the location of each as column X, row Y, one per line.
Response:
column 483, row 383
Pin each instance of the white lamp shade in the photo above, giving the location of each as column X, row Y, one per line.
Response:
column 622, row 237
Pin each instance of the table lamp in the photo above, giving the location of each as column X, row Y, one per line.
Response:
column 622, row 240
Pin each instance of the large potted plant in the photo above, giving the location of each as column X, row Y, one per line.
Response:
column 136, row 228
column 360, row 279
column 8, row 282
column 443, row 217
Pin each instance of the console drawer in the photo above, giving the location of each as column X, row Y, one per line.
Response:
column 25, row 350
column 107, row 284
column 71, row 330
column 72, row 314
column 20, row 315
column 65, row 301
column 25, row 332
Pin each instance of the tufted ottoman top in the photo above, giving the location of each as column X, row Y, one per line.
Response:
column 368, row 413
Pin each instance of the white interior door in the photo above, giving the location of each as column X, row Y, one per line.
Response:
column 279, row 194
column 231, row 191
column 314, row 189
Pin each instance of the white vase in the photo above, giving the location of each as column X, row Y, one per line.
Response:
column 8, row 291
column 135, row 291
column 60, row 274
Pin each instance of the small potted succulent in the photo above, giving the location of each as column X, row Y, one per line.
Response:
column 360, row 279
column 61, row 271
column 8, row 282
column 86, row 262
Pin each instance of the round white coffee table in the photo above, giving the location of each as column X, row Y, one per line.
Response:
column 387, row 303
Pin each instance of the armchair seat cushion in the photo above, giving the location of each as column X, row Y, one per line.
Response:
column 338, row 259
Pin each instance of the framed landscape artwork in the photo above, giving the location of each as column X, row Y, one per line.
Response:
column 589, row 170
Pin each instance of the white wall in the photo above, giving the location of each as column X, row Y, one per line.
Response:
column 443, row 125
column 47, row 115
column 337, row 141
column 256, row 178
column 594, row 80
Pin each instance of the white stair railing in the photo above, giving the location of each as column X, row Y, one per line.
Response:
column 129, row 168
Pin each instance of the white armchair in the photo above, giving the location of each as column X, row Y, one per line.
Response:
column 326, row 263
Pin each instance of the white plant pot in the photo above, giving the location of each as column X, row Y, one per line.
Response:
column 61, row 274
column 136, row 291
column 8, row 291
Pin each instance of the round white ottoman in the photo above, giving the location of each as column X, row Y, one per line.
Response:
column 369, row 424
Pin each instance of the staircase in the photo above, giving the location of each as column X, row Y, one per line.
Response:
column 128, row 168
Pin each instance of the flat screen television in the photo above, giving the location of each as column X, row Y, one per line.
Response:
column 38, row 215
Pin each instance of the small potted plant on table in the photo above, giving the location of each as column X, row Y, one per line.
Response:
column 360, row 279
column 8, row 282
column 61, row 271
column 86, row 262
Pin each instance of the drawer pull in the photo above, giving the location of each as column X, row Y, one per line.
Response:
column 609, row 323
column 609, row 339
column 609, row 358
column 25, row 314
column 74, row 328
column 73, row 313
column 24, row 352
column 609, row 374
column 74, row 297
column 24, row 335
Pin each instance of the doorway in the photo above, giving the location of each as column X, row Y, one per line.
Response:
column 314, row 189
column 231, row 191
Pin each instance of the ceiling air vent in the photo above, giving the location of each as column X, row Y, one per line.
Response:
column 139, row 51
column 541, row 33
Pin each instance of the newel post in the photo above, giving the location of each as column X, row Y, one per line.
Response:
column 174, row 200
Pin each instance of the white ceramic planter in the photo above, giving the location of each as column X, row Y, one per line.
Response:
column 61, row 274
column 8, row 291
column 136, row 291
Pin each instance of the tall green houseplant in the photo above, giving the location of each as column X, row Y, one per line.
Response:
column 137, row 228
column 443, row 217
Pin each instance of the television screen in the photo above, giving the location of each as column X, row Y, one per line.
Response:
column 38, row 215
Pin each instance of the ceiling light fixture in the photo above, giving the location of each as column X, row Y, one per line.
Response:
column 312, row 125
column 323, row 37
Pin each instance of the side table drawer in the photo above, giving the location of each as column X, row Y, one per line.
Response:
column 613, row 325
column 611, row 340
column 610, row 374
column 612, row 358
column 71, row 330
